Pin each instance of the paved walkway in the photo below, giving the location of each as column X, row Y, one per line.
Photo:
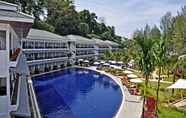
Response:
column 181, row 103
column 161, row 81
column 133, row 105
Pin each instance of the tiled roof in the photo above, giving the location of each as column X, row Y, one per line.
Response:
column 100, row 42
column 112, row 43
column 11, row 12
column 44, row 35
column 14, row 14
column 79, row 39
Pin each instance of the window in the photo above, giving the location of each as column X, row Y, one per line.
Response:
column 2, row 40
column 24, row 45
column 2, row 86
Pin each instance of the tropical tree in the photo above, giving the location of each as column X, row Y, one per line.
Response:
column 43, row 26
column 88, row 18
column 172, row 66
column 159, row 51
column 107, row 55
column 179, row 34
column 117, row 56
column 167, row 27
column 62, row 15
column 146, row 56
column 84, row 29
column 160, row 58
column 106, row 35
column 155, row 33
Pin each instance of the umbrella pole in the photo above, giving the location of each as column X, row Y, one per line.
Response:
column 181, row 94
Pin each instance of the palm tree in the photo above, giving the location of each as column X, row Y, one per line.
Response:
column 172, row 64
column 146, row 59
column 107, row 55
column 160, row 57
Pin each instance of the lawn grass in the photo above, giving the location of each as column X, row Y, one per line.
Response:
column 167, row 112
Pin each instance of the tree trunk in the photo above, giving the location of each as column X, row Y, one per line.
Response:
column 143, row 107
column 174, row 79
column 145, row 90
column 146, row 84
column 157, row 92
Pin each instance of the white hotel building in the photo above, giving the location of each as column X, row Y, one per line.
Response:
column 25, row 51
column 47, row 51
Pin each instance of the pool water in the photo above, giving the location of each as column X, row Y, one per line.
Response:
column 77, row 93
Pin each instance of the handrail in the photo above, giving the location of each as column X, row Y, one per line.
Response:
column 15, row 91
column 34, row 105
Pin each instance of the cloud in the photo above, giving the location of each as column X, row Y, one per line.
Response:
column 128, row 15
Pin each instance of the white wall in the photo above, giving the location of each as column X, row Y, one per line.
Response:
column 4, row 54
column 3, row 63
column 4, row 107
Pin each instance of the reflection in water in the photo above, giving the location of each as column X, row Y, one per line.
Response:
column 80, row 72
column 86, row 71
column 96, row 76
column 77, row 93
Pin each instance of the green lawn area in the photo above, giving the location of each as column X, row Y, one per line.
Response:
column 165, row 97
column 166, row 112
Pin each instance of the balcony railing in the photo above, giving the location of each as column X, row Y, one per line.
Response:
column 45, row 57
column 35, row 113
column 14, row 91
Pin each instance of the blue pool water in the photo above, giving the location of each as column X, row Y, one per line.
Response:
column 77, row 93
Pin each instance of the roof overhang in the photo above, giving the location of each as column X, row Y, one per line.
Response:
column 8, row 6
column 15, row 19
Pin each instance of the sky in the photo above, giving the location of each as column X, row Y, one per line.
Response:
column 129, row 15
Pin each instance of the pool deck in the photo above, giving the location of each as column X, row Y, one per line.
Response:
column 131, row 106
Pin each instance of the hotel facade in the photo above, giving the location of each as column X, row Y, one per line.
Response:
column 46, row 51
column 25, row 52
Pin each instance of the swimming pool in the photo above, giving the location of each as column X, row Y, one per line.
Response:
column 77, row 93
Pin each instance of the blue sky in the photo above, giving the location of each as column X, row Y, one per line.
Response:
column 128, row 15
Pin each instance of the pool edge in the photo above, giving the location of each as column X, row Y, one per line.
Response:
column 120, row 112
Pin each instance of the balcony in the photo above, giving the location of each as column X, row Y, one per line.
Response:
column 14, row 58
column 46, row 60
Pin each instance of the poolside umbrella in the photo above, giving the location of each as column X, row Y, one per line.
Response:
column 136, row 81
column 113, row 62
column 182, row 57
column 102, row 62
column 132, row 76
column 106, row 64
column 116, row 67
column 80, row 59
column 179, row 84
column 110, row 61
column 127, row 72
column 86, row 61
column 96, row 63
column 120, row 62
column 113, row 66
